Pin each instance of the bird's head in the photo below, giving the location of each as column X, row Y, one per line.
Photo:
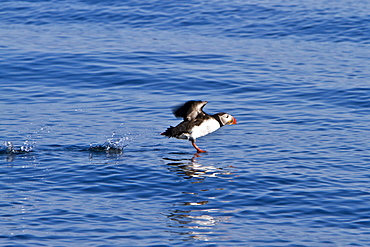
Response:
column 226, row 119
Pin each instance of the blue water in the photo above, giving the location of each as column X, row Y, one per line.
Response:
column 87, row 86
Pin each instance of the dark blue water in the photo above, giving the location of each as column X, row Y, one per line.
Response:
column 87, row 86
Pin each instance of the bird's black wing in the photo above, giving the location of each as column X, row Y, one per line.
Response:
column 190, row 110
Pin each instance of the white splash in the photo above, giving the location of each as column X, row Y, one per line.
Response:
column 112, row 144
column 27, row 147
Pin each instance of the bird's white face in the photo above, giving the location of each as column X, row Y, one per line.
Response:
column 227, row 119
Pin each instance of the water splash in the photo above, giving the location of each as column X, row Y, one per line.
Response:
column 112, row 144
column 27, row 147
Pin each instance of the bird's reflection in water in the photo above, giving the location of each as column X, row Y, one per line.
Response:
column 199, row 212
column 200, row 227
column 190, row 168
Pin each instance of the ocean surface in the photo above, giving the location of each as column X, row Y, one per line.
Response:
column 86, row 88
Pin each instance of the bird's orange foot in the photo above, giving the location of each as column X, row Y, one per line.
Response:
column 197, row 148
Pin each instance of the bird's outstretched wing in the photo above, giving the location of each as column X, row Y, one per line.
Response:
column 190, row 110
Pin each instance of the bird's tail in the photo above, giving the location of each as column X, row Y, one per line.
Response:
column 168, row 132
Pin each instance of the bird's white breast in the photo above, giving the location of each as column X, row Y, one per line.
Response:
column 208, row 126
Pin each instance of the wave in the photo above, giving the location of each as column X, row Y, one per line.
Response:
column 325, row 22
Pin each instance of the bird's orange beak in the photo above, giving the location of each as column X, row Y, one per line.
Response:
column 233, row 121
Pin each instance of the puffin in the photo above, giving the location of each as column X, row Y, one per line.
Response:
column 196, row 123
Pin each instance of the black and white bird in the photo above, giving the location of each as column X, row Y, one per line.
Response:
column 196, row 122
